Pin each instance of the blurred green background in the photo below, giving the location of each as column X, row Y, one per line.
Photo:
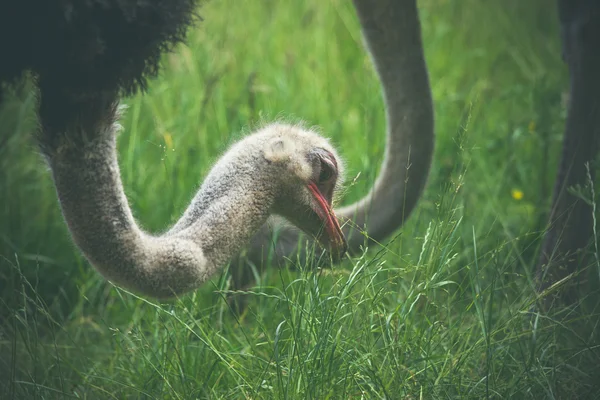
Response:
column 439, row 312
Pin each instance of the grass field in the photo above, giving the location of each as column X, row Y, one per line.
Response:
column 442, row 310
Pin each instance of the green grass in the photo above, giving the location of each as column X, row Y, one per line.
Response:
column 439, row 311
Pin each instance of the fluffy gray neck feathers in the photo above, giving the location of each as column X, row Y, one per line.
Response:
column 227, row 210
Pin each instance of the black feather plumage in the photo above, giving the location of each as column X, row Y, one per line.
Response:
column 87, row 46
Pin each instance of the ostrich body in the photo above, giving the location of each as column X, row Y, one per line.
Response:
column 280, row 169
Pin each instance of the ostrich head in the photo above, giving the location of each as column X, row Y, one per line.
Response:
column 306, row 173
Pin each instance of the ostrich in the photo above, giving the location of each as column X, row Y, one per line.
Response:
column 84, row 55
column 392, row 32
column 81, row 72
column 280, row 169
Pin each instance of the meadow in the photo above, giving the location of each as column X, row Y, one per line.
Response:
column 443, row 309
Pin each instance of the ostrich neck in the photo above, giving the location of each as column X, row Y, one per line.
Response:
column 392, row 33
column 216, row 225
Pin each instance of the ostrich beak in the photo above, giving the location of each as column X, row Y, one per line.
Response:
column 335, row 237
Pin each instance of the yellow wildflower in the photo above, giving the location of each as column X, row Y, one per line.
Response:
column 517, row 194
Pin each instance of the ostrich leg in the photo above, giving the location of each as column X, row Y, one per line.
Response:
column 570, row 225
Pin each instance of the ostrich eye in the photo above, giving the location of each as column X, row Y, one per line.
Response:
column 326, row 172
